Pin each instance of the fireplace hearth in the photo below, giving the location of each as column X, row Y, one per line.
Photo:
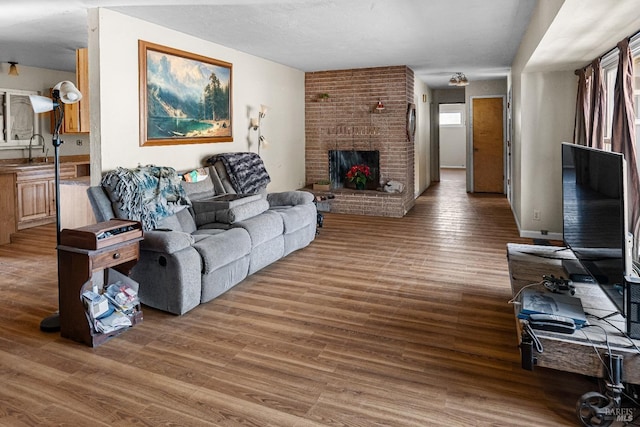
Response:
column 340, row 161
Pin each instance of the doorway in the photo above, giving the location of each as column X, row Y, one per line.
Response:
column 487, row 144
column 453, row 136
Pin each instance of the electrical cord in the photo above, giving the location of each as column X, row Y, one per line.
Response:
column 534, row 338
column 608, row 368
column 623, row 333
column 515, row 301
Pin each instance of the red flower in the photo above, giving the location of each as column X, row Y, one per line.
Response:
column 359, row 174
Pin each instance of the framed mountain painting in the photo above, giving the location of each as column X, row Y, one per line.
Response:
column 185, row 98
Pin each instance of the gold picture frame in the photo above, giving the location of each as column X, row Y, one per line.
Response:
column 185, row 98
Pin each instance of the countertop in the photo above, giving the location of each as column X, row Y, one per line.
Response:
column 81, row 180
column 19, row 165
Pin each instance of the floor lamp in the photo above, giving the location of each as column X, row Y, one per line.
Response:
column 64, row 92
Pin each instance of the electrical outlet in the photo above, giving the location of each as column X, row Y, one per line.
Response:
column 78, row 142
column 536, row 214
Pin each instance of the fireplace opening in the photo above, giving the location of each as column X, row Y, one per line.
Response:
column 340, row 161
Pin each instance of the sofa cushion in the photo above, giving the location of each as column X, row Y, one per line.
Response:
column 295, row 217
column 180, row 221
column 223, row 177
column 201, row 189
column 220, row 249
column 262, row 228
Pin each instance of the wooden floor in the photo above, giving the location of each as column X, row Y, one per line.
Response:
column 379, row 322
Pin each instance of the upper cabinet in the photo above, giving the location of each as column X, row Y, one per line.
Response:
column 18, row 122
column 76, row 116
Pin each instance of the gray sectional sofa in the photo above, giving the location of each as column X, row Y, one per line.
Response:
column 211, row 238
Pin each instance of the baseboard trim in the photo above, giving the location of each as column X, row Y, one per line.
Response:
column 530, row 234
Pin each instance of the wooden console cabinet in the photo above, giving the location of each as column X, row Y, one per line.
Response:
column 83, row 254
column 583, row 351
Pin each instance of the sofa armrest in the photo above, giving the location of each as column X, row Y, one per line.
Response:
column 290, row 198
column 166, row 241
column 242, row 212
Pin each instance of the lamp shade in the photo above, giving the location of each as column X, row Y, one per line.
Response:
column 41, row 104
column 13, row 69
column 69, row 94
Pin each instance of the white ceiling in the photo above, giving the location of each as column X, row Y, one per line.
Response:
column 435, row 38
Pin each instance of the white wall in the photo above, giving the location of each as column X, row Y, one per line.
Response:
column 422, row 162
column 113, row 63
column 41, row 80
column 453, row 139
column 548, row 103
column 531, row 165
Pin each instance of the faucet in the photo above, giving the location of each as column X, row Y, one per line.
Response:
column 31, row 142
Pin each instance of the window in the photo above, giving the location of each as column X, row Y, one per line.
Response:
column 610, row 69
column 18, row 122
column 453, row 118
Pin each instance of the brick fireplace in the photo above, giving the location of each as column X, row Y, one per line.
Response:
column 347, row 120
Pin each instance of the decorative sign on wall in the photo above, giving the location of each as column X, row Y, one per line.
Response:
column 184, row 98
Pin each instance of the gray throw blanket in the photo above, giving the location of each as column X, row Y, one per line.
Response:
column 246, row 171
column 146, row 194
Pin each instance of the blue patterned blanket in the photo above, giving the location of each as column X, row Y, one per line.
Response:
column 246, row 171
column 146, row 193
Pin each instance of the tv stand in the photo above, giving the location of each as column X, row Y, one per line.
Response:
column 571, row 352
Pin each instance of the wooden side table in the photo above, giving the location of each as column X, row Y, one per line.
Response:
column 84, row 254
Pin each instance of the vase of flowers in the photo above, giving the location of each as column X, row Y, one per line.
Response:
column 359, row 175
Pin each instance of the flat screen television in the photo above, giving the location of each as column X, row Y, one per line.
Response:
column 594, row 218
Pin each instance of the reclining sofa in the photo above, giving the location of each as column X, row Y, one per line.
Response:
column 211, row 232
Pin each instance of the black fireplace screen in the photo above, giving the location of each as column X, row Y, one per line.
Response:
column 340, row 161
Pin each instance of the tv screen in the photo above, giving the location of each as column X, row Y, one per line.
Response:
column 594, row 225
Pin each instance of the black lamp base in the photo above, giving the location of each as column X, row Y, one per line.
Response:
column 50, row 323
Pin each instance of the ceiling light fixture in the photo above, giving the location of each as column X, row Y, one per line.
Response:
column 458, row 79
column 13, row 68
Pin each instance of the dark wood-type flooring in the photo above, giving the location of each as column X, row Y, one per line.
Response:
column 379, row 322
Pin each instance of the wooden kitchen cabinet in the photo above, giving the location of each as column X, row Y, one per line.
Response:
column 27, row 194
column 76, row 116
column 33, row 201
column 35, row 193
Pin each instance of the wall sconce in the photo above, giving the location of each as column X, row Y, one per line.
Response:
column 13, row 68
column 256, row 124
column 379, row 107
column 262, row 141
